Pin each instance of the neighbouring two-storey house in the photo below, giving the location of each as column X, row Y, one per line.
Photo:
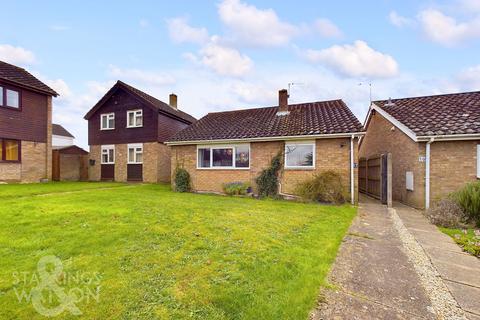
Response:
column 127, row 129
column 25, row 126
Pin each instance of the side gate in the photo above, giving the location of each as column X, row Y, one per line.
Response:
column 373, row 177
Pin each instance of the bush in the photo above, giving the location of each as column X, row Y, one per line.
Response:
column 267, row 181
column 469, row 199
column 236, row 188
column 446, row 213
column 182, row 180
column 325, row 187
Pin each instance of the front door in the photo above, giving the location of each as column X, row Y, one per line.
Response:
column 108, row 172
column 135, row 172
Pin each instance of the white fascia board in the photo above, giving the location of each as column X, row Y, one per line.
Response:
column 263, row 139
column 395, row 122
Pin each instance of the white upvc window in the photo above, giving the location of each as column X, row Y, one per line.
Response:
column 108, row 154
column 300, row 155
column 478, row 161
column 107, row 121
column 223, row 156
column 135, row 153
column 134, row 118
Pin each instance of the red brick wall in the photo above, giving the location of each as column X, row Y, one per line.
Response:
column 331, row 154
column 383, row 137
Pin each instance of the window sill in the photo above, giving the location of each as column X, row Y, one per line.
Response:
column 11, row 108
column 134, row 127
column 134, row 162
column 10, row 161
column 300, row 168
column 108, row 163
column 223, row 168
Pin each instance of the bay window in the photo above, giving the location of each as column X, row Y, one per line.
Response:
column 108, row 154
column 300, row 155
column 134, row 118
column 135, row 153
column 9, row 150
column 224, row 157
column 107, row 121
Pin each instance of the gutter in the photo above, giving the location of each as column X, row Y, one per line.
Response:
column 427, row 172
column 275, row 138
column 450, row 137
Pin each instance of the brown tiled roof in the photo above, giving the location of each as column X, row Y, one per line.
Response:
column 58, row 130
column 446, row 114
column 326, row 117
column 148, row 99
column 23, row 78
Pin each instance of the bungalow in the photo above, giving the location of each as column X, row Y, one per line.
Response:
column 233, row 146
column 127, row 129
column 25, row 126
column 434, row 142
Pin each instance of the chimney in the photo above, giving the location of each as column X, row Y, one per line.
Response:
column 282, row 102
column 173, row 101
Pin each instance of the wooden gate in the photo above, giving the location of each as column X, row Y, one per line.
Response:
column 372, row 177
column 55, row 165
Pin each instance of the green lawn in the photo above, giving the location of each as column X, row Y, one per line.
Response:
column 468, row 241
column 156, row 254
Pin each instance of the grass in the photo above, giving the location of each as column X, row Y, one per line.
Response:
column 156, row 254
column 466, row 239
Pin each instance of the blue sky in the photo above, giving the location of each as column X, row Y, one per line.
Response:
column 232, row 54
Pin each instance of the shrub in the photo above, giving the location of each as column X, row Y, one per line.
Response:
column 236, row 188
column 182, row 180
column 469, row 199
column 446, row 213
column 267, row 181
column 325, row 187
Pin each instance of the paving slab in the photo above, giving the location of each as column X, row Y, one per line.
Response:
column 460, row 271
column 469, row 300
column 372, row 276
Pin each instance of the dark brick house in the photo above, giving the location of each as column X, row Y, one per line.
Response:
column 127, row 129
column 25, row 126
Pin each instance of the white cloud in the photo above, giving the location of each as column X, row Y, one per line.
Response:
column 446, row 30
column 16, row 55
column 144, row 23
column 252, row 26
column 180, row 31
column 141, row 76
column 58, row 27
column 469, row 78
column 470, row 5
column 357, row 60
column 254, row 93
column 224, row 60
column 326, row 28
column 400, row 21
column 60, row 86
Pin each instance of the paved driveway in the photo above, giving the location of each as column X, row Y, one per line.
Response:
column 383, row 271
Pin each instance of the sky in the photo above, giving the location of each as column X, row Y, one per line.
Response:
column 236, row 54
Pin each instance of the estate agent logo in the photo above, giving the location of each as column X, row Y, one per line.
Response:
column 53, row 291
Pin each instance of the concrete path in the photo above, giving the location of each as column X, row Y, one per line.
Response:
column 372, row 277
column 459, row 270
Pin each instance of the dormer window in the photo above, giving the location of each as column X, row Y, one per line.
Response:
column 134, row 118
column 107, row 121
column 9, row 98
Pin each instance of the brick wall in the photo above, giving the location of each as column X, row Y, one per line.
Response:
column 383, row 137
column 94, row 171
column 156, row 162
column 33, row 167
column 453, row 164
column 331, row 154
column 70, row 167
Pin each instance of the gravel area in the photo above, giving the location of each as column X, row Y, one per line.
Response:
column 443, row 303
